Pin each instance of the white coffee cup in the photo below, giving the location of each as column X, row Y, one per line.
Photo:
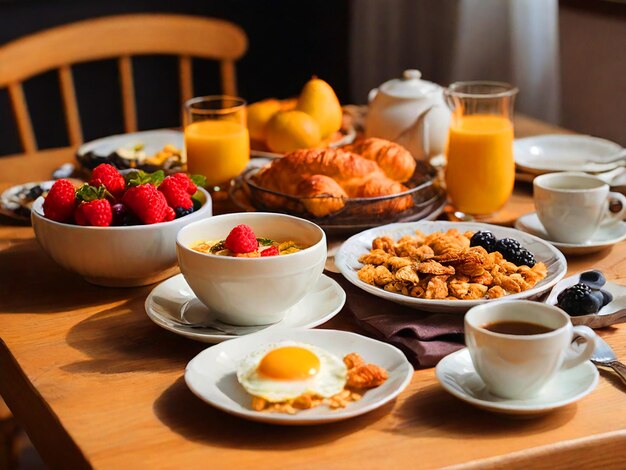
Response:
column 571, row 206
column 518, row 366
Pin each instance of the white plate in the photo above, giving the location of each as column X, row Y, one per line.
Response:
column 605, row 236
column 171, row 296
column 457, row 375
column 546, row 153
column 17, row 207
column 152, row 142
column 347, row 261
column 211, row 375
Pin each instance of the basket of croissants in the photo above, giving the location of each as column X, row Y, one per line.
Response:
column 363, row 184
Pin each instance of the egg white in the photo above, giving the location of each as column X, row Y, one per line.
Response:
column 330, row 379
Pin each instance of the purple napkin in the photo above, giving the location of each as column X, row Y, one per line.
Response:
column 424, row 337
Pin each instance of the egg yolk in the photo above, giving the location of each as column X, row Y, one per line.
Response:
column 289, row 363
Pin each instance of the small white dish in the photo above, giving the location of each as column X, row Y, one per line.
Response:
column 457, row 375
column 347, row 261
column 211, row 375
column 547, row 153
column 152, row 142
column 174, row 295
column 16, row 203
column 604, row 237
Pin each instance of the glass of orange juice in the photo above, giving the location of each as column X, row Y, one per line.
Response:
column 216, row 140
column 480, row 171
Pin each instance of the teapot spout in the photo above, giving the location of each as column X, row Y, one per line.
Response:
column 426, row 137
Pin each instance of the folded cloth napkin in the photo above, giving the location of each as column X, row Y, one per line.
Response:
column 424, row 337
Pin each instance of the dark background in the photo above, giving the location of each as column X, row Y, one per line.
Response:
column 288, row 42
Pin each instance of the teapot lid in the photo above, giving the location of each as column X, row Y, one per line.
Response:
column 409, row 86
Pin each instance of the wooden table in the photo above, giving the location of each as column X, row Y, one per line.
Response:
column 96, row 383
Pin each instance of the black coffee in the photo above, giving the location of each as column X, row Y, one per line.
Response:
column 517, row 328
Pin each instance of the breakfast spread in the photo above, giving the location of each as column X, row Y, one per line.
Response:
column 312, row 120
column 112, row 199
column 291, row 376
column 241, row 242
column 585, row 297
column 451, row 265
column 325, row 178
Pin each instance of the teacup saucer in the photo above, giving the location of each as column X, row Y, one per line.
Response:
column 604, row 237
column 173, row 297
column 458, row 377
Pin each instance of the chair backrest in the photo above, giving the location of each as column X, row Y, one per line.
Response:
column 116, row 37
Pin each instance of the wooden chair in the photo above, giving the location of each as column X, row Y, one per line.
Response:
column 116, row 37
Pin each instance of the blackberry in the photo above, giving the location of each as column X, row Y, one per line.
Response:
column 182, row 212
column 579, row 300
column 594, row 279
column 485, row 239
column 515, row 253
column 34, row 192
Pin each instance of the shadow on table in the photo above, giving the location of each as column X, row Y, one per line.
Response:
column 444, row 415
column 185, row 414
column 51, row 289
column 123, row 339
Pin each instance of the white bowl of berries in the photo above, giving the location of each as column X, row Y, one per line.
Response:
column 251, row 268
column 115, row 230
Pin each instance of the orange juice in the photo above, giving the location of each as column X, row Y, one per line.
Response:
column 219, row 150
column 481, row 170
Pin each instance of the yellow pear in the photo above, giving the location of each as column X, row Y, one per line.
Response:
column 319, row 101
column 259, row 114
column 292, row 130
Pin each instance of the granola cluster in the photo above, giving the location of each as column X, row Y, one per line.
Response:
column 361, row 377
column 444, row 266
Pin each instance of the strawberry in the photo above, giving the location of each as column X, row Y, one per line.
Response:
column 241, row 239
column 186, row 182
column 271, row 251
column 107, row 175
column 148, row 204
column 175, row 192
column 97, row 213
column 60, row 202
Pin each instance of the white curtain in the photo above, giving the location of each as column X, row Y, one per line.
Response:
column 452, row 40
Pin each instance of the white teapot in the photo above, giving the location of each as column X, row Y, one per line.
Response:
column 411, row 112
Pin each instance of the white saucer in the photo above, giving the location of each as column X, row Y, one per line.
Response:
column 457, row 375
column 211, row 374
column 546, row 153
column 604, row 237
column 174, row 295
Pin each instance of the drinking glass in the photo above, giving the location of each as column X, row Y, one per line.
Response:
column 216, row 140
column 480, row 172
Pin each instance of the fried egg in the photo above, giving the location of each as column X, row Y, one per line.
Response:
column 286, row 370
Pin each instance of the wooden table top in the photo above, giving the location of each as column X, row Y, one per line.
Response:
column 96, row 383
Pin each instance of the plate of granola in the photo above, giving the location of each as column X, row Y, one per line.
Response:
column 299, row 377
column 449, row 266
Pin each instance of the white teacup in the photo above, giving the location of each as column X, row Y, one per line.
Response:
column 571, row 206
column 518, row 366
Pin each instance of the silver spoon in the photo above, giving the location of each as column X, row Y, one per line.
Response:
column 604, row 356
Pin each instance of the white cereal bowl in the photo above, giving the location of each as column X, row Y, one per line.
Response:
column 129, row 256
column 252, row 291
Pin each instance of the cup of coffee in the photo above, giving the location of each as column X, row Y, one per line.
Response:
column 518, row 346
column 571, row 206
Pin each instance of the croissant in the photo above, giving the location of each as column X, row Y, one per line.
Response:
column 333, row 173
column 397, row 162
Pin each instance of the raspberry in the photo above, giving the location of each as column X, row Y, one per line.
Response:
column 485, row 239
column 175, row 193
column 148, row 204
column 60, row 202
column 241, row 239
column 271, row 251
column 186, row 182
column 107, row 175
column 97, row 213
